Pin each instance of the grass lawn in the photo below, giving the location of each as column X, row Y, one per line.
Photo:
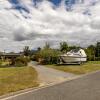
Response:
column 17, row 78
column 78, row 69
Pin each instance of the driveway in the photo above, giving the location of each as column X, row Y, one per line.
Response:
column 87, row 87
column 49, row 75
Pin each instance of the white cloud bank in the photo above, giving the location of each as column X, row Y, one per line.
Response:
column 47, row 24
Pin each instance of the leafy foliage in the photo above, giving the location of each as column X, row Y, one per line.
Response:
column 64, row 47
column 93, row 52
column 20, row 61
column 47, row 55
column 90, row 51
column 26, row 51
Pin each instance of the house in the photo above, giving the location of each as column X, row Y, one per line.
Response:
column 9, row 55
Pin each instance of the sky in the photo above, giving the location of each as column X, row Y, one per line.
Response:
column 23, row 24
column 56, row 2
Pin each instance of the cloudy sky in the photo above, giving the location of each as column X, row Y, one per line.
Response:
column 23, row 22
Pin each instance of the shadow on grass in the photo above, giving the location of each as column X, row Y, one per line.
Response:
column 4, row 66
column 68, row 64
column 9, row 66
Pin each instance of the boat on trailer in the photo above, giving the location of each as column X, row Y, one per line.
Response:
column 75, row 56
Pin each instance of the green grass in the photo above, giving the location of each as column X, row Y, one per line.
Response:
column 78, row 69
column 17, row 78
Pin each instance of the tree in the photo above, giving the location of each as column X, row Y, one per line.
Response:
column 47, row 46
column 48, row 56
column 39, row 49
column 74, row 47
column 22, row 61
column 97, row 51
column 12, row 61
column 26, row 51
column 64, row 47
column 90, row 51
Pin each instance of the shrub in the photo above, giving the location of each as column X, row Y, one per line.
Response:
column 22, row 61
column 47, row 56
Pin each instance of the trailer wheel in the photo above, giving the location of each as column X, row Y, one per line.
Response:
column 80, row 63
column 59, row 61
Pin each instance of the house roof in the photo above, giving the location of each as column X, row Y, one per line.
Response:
column 10, row 54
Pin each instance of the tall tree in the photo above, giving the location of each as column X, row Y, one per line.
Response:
column 90, row 50
column 98, row 49
column 64, row 47
column 39, row 49
column 74, row 47
column 47, row 46
column 26, row 51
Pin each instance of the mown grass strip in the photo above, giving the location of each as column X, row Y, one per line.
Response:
column 17, row 78
column 78, row 69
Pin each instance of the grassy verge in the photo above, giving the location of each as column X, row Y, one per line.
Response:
column 78, row 69
column 17, row 78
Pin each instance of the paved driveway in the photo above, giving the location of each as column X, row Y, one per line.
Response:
column 84, row 88
column 49, row 75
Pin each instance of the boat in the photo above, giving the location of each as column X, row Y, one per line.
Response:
column 75, row 56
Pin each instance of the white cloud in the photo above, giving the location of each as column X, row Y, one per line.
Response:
column 44, row 23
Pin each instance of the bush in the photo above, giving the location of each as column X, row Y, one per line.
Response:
column 47, row 56
column 0, row 63
column 22, row 61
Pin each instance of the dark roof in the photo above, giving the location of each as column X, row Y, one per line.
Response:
column 10, row 54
